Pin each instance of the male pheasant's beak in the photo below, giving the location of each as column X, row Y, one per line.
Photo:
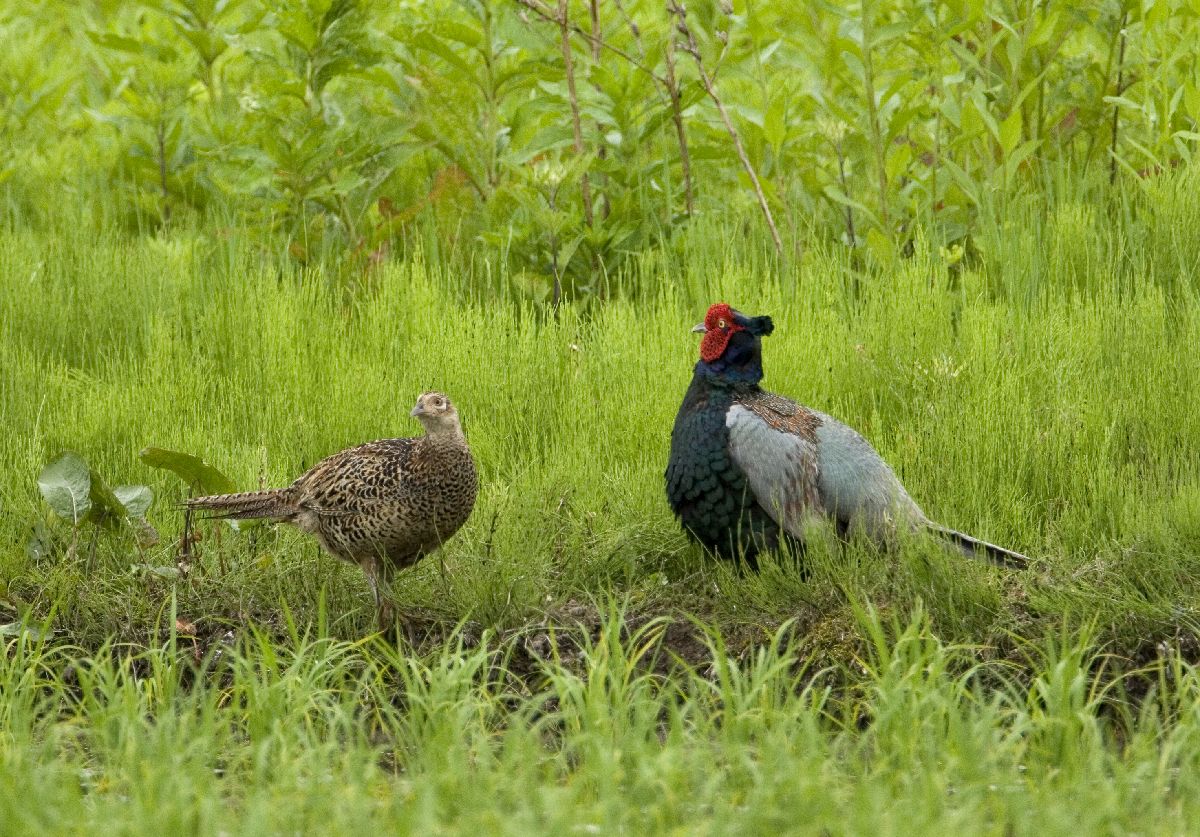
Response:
column 699, row 328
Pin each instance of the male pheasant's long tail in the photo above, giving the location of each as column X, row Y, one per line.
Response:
column 975, row 548
column 245, row 505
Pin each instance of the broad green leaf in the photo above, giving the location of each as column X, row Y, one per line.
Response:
column 890, row 32
column 773, row 125
column 198, row 474
column 1191, row 99
column 106, row 508
column 460, row 32
column 1123, row 101
column 1045, row 28
column 880, row 246
column 1019, row 155
column 40, row 541
column 66, row 484
column 966, row 184
column 135, row 498
column 546, row 139
column 978, row 106
column 17, row 629
column 431, row 43
column 1010, row 131
column 898, row 160
column 567, row 252
column 838, row 196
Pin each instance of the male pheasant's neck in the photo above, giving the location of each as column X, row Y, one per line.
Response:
column 709, row 389
column 721, row 374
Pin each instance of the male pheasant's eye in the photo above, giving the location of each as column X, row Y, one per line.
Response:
column 722, row 324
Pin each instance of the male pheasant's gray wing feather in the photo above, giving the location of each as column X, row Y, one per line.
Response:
column 778, row 454
column 858, row 487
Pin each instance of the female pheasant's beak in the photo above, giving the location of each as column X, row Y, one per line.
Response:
column 699, row 327
column 418, row 410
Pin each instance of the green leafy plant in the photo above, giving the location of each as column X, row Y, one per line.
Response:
column 201, row 478
column 78, row 495
column 565, row 140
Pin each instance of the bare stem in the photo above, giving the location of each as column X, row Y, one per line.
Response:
column 837, row 147
column 668, row 82
column 595, row 35
column 710, row 88
column 491, row 118
column 868, row 31
column 633, row 28
column 161, row 134
column 556, row 297
column 572, row 97
column 546, row 13
column 676, row 97
column 1116, row 120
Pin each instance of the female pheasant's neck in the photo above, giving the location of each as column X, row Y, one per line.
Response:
column 440, row 435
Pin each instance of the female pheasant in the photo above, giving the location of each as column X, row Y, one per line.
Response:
column 384, row 505
column 748, row 469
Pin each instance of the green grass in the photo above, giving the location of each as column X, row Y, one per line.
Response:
column 1042, row 396
column 320, row 734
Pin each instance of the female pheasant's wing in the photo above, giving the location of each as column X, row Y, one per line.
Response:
column 773, row 441
column 353, row 480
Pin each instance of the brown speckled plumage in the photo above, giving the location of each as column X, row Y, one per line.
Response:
column 383, row 505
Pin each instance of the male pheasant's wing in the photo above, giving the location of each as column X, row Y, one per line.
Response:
column 354, row 480
column 774, row 442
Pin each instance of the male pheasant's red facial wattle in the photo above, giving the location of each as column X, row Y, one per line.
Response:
column 718, row 328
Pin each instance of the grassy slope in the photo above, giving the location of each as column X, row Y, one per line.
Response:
column 1046, row 403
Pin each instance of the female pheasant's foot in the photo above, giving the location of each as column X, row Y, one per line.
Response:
column 385, row 614
column 393, row 625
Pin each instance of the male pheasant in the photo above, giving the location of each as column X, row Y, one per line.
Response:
column 383, row 505
column 748, row 469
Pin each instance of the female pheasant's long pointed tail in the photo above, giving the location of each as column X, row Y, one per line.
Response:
column 975, row 548
column 245, row 505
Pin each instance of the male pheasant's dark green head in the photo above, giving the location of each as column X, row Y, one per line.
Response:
column 731, row 350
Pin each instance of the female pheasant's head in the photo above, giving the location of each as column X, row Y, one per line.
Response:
column 437, row 414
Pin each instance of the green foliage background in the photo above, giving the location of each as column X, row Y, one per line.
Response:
column 256, row 231
column 346, row 130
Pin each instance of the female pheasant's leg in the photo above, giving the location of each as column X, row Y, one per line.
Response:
column 380, row 591
column 385, row 604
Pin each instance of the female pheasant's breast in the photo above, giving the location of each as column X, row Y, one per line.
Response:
column 450, row 486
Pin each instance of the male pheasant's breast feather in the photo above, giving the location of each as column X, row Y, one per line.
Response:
column 703, row 488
